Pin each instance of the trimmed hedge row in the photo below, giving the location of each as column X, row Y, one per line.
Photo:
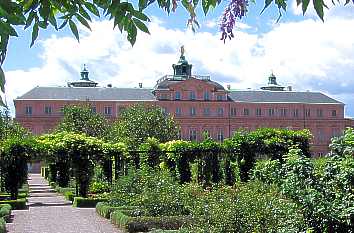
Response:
column 145, row 224
column 82, row 202
column 5, row 212
column 19, row 204
column 2, row 226
column 105, row 210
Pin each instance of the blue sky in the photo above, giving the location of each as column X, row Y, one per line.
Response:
column 301, row 50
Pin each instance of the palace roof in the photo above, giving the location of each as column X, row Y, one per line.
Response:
column 144, row 94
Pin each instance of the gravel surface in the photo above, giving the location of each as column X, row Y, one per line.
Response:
column 48, row 212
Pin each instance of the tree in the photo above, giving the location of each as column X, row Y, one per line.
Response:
column 139, row 122
column 129, row 17
column 81, row 119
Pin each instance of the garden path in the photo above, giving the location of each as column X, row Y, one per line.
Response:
column 49, row 212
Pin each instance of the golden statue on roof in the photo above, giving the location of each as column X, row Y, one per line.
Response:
column 182, row 50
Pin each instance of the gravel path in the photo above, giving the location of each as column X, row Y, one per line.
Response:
column 50, row 213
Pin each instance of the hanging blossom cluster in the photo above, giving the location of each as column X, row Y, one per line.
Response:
column 235, row 10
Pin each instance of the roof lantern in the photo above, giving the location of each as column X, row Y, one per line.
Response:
column 272, row 84
column 84, row 81
column 182, row 68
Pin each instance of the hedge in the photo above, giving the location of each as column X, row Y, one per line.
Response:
column 145, row 223
column 82, row 202
column 2, row 226
column 5, row 212
column 19, row 204
column 105, row 210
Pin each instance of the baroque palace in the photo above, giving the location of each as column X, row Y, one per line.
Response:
column 197, row 103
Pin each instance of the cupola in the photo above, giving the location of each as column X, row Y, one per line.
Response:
column 272, row 84
column 182, row 68
column 84, row 81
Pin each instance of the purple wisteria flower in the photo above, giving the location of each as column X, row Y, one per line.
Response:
column 235, row 10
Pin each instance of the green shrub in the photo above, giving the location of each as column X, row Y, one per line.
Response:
column 145, row 224
column 105, row 210
column 249, row 207
column 97, row 187
column 19, row 204
column 2, row 226
column 5, row 211
column 82, row 202
column 267, row 171
column 69, row 196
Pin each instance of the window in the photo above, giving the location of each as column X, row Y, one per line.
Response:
column 93, row 109
column 219, row 97
column 164, row 111
column 283, row 112
column 334, row 113
column 307, row 112
column 178, row 95
column 206, row 95
column 192, row 111
column 28, row 110
column 258, row 112
column 48, row 110
column 319, row 113
column 296, row 113
column 178, row 111
column 220, row 111
column 233, row 111
column 320, row 134
column 320, row 154
column 179, row 134
column 246, row 112
column 335, row 132
column 206, row 111
column 108, row 110
column 192, row 135
column 192, row 95
column 271, row 112
column 220, row 136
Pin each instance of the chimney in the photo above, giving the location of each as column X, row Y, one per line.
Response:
column 228, row 87
column 109, row 85
column 290, row 88
column 140, row 85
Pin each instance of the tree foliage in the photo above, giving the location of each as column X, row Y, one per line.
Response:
column 81, row 119
column 138, row 123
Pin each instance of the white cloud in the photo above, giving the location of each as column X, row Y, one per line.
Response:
column 310, row 55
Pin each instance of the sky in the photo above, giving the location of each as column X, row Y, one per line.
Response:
column 302, row 52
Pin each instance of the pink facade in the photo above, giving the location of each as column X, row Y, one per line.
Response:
column 198, row 105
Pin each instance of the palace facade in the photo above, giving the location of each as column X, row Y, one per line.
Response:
column 197, row 103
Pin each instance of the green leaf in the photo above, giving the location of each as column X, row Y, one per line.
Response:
column 34, row 33
column 142, row 4
column 74, row 30
column 266, row 4
column 140, row 15
column 92, row 8
column 141, row 26
column 2, row 79
column 63, row 24
column 305, row 4
column 30, row 19
column 132, row 31
column 318, row 4
column 83, row 21
column 84, row 13
column 2, row 102
column 53, row 21
column 7, row 29
column 206, row 6
column 44, row 10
